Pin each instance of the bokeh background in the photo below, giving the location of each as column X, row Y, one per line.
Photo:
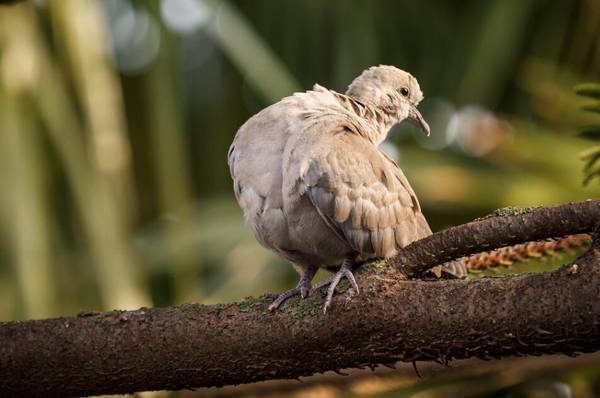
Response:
column 116, row 117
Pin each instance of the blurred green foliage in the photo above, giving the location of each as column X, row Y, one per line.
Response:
column 116, row 116
column 591, row 156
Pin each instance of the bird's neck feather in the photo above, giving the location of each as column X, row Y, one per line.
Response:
column 376, row 122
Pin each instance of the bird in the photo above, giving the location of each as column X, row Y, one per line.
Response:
column 314, row 186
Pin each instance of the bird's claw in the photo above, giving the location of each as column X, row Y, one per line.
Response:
column 302, row 290
column 345, row 271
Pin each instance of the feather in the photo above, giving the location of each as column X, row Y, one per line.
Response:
column 358, row 210
column 389, row 243
column 371, row 216
column 343, row 206
column 403, row 235
column 377, row 242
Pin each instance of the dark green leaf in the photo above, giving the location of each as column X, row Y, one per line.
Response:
column 590, row 132
column 592, row 106
column 592, row 164
column 588, row 177
column 588, row 90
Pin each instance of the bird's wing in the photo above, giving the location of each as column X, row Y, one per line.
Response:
column 363, row 195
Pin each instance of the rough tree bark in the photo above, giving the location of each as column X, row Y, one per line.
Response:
column 516, row 226
column 391, row 320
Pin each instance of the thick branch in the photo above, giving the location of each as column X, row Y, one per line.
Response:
column 391, row 320
column 497, row 231
column 403, row 375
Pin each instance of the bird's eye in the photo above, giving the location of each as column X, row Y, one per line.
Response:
column 404, row 91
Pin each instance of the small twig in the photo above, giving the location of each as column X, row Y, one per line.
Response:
column 414, row 364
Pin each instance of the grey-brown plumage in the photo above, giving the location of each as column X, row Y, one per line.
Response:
column 313, row 184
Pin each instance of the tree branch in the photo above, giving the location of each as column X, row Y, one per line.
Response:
column 391, row 320
column 493, row 232
column 402, row 376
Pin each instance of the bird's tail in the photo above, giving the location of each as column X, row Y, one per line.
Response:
column 451, row 270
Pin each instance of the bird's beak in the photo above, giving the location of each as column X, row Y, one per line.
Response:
column 415, row 116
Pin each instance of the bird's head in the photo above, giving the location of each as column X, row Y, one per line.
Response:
column 391, row 90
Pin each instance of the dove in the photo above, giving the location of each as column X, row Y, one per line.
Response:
column 314, row 186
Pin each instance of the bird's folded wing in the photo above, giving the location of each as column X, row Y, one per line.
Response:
column 363, row 196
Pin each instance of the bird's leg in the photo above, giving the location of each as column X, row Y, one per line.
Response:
column 345, row 271
column 302, row 289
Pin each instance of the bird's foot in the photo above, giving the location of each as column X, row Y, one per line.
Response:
column 302, row 290
column 345, row 271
